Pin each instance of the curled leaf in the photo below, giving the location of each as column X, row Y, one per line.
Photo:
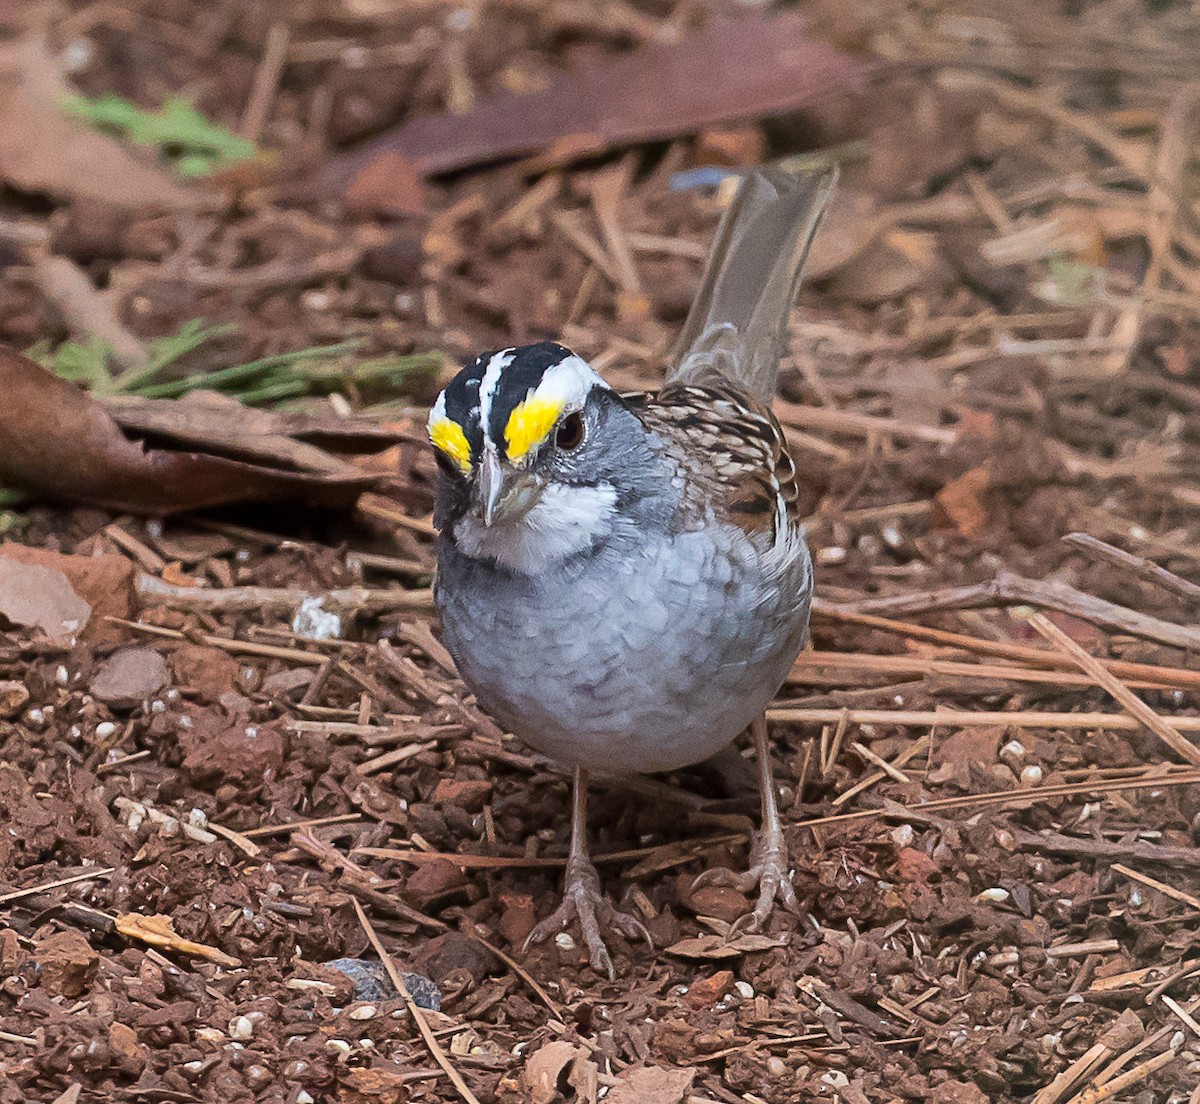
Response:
column 159, row 931
column 165, row 456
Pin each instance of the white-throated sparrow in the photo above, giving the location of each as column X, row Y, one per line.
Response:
column 622, row 578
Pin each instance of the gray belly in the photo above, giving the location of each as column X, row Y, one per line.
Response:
column 628, row 662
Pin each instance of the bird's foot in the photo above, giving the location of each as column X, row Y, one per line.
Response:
column 583, row 901
column 768, row 873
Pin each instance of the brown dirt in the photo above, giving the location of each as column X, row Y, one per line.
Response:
column 929, row 965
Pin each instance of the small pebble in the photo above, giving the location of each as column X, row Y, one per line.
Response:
column 744, row 990
column 564, row 942
column 902, row 835
column 339, row 1047
column 105, row 729
column 1014, row 749
column 241, row 1027
column 371, row 983
column 363, row 1012
column 995, row 894
column 1031, row 775
column 776, row 1066
column 304, row 1098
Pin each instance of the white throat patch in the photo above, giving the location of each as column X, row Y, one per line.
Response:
column 566, row 520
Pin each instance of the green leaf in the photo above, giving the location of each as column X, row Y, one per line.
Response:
column 196, row 145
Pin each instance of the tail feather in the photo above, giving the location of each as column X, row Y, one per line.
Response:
column 737, row 326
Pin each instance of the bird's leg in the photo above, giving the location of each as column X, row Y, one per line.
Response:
column 768, row 852
column 582, row 899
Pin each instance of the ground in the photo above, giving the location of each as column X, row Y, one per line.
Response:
column 995, row 350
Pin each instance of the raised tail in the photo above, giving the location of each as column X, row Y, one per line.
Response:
column 736, row 329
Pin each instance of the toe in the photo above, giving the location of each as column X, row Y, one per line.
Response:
column 723, row 876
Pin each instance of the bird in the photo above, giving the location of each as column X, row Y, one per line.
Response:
column 623, row 578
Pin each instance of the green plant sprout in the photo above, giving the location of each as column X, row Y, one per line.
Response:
column 196, row 146
column 269, row 380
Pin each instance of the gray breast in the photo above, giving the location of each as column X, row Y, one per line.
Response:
column 647, row 656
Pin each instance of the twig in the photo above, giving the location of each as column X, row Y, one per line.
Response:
column 266, row 81
column 911, row 752
column 435, row 1048
column 1182, row 1013
column 241, row 598
column 1139, row 850
column 1076, row 1073
column 1024, row 653
column 238, row 839
column 686, row 851
column 853, row 424
column 923, row 665
column 87, row 876
column 234, row 647
column 377, row 506
column 1136, row 1075
column 314, row 822
column 1157, row 886
column 520, row 971
column 1063, row 950
column 1144, row 568
column 1008, row 588
column 965, row 718
column 895, row 810
column 887, row 768
column 1128, row 700
column 9, row 1037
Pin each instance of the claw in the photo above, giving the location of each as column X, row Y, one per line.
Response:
column 583, row 901
column 768, row 873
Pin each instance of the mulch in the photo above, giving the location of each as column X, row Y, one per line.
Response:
column 203, row 810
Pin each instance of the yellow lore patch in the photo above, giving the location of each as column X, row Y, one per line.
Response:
column 529, row 424
column 448, row 438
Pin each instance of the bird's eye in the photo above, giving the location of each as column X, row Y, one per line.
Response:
column 570, row 433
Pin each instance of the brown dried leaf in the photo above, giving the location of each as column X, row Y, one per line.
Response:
column 963, row 500
column 547, row 1067
column 731, row 71
column 41, row 598
column 163, row 456
column 652, row 1085
column 956, row 756
column 104, row 583
column 45, row 150
column 159, row 931
column 713, row 947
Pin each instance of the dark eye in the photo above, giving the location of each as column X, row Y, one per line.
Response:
column 570, row 433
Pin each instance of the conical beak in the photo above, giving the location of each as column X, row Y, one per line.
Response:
column 490, row 485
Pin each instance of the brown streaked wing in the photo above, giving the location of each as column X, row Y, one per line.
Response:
column 730, row 451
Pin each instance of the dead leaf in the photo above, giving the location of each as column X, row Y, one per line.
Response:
column 895, row 264
column 372, row 1086
column 159, row 931
column 164, row 456
column 105, row 583
column 41, row 598
column 45, row 150
column 731, row 71
column 962, row 500
column 652, row 1085
column 548, row 1068
column 954, row 756
column 713, row 947
column 851, row 223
